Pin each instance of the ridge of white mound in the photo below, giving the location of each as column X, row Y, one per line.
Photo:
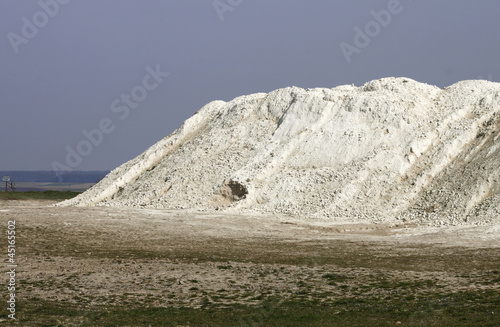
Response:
column 391, row 149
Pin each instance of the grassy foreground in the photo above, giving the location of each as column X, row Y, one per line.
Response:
column 67, row 257
column 45, row 195
column 378, row 298
column 473, row 308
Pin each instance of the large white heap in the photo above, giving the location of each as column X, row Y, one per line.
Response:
column 391, row 149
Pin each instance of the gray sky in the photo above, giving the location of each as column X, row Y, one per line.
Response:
column 74, row 66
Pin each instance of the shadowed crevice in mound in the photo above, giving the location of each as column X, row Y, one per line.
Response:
column 230, row 192
column 238, row 191
column 391, row 149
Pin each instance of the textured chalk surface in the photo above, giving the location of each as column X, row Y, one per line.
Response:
column 392, row 149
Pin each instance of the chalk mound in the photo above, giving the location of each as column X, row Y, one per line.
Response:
column 393, row 149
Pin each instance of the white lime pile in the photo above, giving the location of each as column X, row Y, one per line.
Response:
column 393, row 149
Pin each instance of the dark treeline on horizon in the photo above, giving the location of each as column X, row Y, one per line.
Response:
column 51, row 177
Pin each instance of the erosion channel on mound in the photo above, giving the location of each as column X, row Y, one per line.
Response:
column 393, row 149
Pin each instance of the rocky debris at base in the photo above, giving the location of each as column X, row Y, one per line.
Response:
column 392, row 149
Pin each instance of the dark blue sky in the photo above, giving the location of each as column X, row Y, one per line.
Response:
column 84, row 85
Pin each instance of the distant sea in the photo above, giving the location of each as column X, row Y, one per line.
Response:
column 48, row 180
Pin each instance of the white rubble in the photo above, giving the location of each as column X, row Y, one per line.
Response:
column 393, row 149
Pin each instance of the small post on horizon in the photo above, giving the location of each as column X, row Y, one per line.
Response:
column 6, row 179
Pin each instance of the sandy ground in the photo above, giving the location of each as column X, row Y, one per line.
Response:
column 146, row 257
